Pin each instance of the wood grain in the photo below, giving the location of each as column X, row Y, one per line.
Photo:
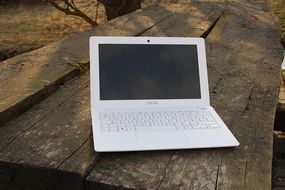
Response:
column 31, row 77
column 52, row 143
column 247, row 91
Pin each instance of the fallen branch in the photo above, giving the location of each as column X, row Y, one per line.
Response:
column 70, row 8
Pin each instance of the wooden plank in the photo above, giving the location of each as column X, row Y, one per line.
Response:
column 193, row 20
column 29, row 78
column 253, row 61
column 243, row 63
column 129, row 170
column 236, row 91
column 53, row 150
column 166, row 169
column 18, row 126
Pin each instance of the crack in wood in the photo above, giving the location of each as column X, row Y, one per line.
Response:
column 209, row 30
column 90, row 168
column 166, row 168
column 73, row 151
column 245, row 172
column 150, row 27
column 216, row 85
column 248, row 100
column 82, row 66
column 217, row 176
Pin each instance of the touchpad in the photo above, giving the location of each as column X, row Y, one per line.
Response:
column 162, row 140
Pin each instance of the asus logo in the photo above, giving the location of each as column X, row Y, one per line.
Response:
column 151, row 102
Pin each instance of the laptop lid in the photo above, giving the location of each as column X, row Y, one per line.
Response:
column 137, row 72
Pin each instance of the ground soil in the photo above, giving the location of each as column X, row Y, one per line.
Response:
column 28, row 26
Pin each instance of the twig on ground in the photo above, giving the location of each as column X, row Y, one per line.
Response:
column 70, row 8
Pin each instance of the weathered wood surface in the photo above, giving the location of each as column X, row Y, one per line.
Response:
column 45, row 145
column 243, row 64
column 50, row 146
column 29, row 78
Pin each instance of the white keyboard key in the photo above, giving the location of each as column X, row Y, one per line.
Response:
column 104, row 129
column 203, row 126
column 194, row 123
column 113, row 129
column 122, row 129
column 209, row 118
column 186, row 125
column 107, row 121
column 113, row 125
column 179, row 126
column 131, row 129
column 195, row 126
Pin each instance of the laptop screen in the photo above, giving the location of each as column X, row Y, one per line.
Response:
column 148, row 71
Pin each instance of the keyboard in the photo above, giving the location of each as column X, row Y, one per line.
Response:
column 162, row 120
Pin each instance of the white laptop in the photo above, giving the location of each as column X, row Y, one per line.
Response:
column 151, row 93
